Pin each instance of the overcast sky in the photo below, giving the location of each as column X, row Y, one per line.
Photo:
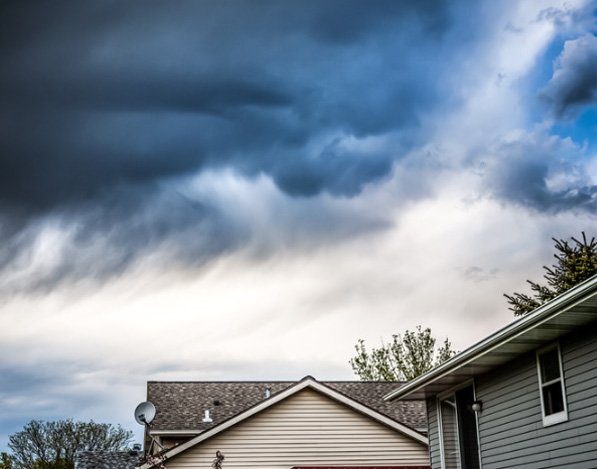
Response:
column 240, row 190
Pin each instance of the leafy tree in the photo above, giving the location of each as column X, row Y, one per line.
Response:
column 52, row 445
column 575, row 263
column 402, row 359
column 5, row 461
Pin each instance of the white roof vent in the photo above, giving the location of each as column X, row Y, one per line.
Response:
column 207, row 418
column 268, row 393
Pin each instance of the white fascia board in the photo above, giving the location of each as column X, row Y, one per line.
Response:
column 308, row 382
column 507, row 333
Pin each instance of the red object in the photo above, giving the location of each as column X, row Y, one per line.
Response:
column 361, row 467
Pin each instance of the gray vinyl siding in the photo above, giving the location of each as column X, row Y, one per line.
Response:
column 433, row 429
column 307, row 429
column 511, row 428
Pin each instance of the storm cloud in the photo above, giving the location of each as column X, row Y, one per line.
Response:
column 104, row 105
column 574, row 82
column 109, row 109
column 134, row 93
column 540, row 172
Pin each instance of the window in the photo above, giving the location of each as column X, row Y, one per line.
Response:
column 458, row 424
column 551, row 385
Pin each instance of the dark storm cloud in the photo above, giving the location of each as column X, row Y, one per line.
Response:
column 574, row 82
column 104, row 239
column 97, row 95
column 102, row 102
column 334, row 169
column 523, row 173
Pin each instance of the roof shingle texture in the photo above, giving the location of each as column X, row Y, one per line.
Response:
column 181, row 405
column 107, row 459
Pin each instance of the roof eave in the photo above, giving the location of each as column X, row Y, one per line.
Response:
column 415, row 388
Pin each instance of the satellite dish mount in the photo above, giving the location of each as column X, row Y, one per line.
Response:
column 144, row 415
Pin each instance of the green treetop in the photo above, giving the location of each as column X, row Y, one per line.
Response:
column 403, row 359
column 575, row 263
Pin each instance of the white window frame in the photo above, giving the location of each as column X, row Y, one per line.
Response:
column 561, row 416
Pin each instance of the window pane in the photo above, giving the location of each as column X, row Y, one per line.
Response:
column 553, row 398
column 550, row 366
column 450, row 433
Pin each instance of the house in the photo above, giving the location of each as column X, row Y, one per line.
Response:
column 526, row 396
column 286, row 425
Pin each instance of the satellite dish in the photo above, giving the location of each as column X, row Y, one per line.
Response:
column 144, row 413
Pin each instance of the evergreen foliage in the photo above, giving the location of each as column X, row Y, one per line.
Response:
column 575, row 263
column 403, row 359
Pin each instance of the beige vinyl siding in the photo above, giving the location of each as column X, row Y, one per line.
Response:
column 307, row 429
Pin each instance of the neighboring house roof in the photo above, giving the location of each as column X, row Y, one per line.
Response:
column 181, row 406
column 107, row 459
column 575, row 308
column 258, row 402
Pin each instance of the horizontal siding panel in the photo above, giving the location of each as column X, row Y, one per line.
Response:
column 506, row 433
column 516, row 373
column 269, row 456
column 495, row 395
column 572, row 432
column 535, row 440
column 517, row 422
column 295, row 460
column 581, row 382
column 340, row 433
column 581, row 369
column 520, row 399
column 518, row 409
column 576, row 349
column 526, row 379
column 519, row 377
column 378, row 448
column 309, row 437
column 586, row 398
column 563, row 457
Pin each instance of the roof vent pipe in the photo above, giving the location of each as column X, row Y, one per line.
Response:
column 268, row 393
column 207, row 418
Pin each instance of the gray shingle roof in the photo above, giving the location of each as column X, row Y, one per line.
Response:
column 107, row 459
column 181, row 405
